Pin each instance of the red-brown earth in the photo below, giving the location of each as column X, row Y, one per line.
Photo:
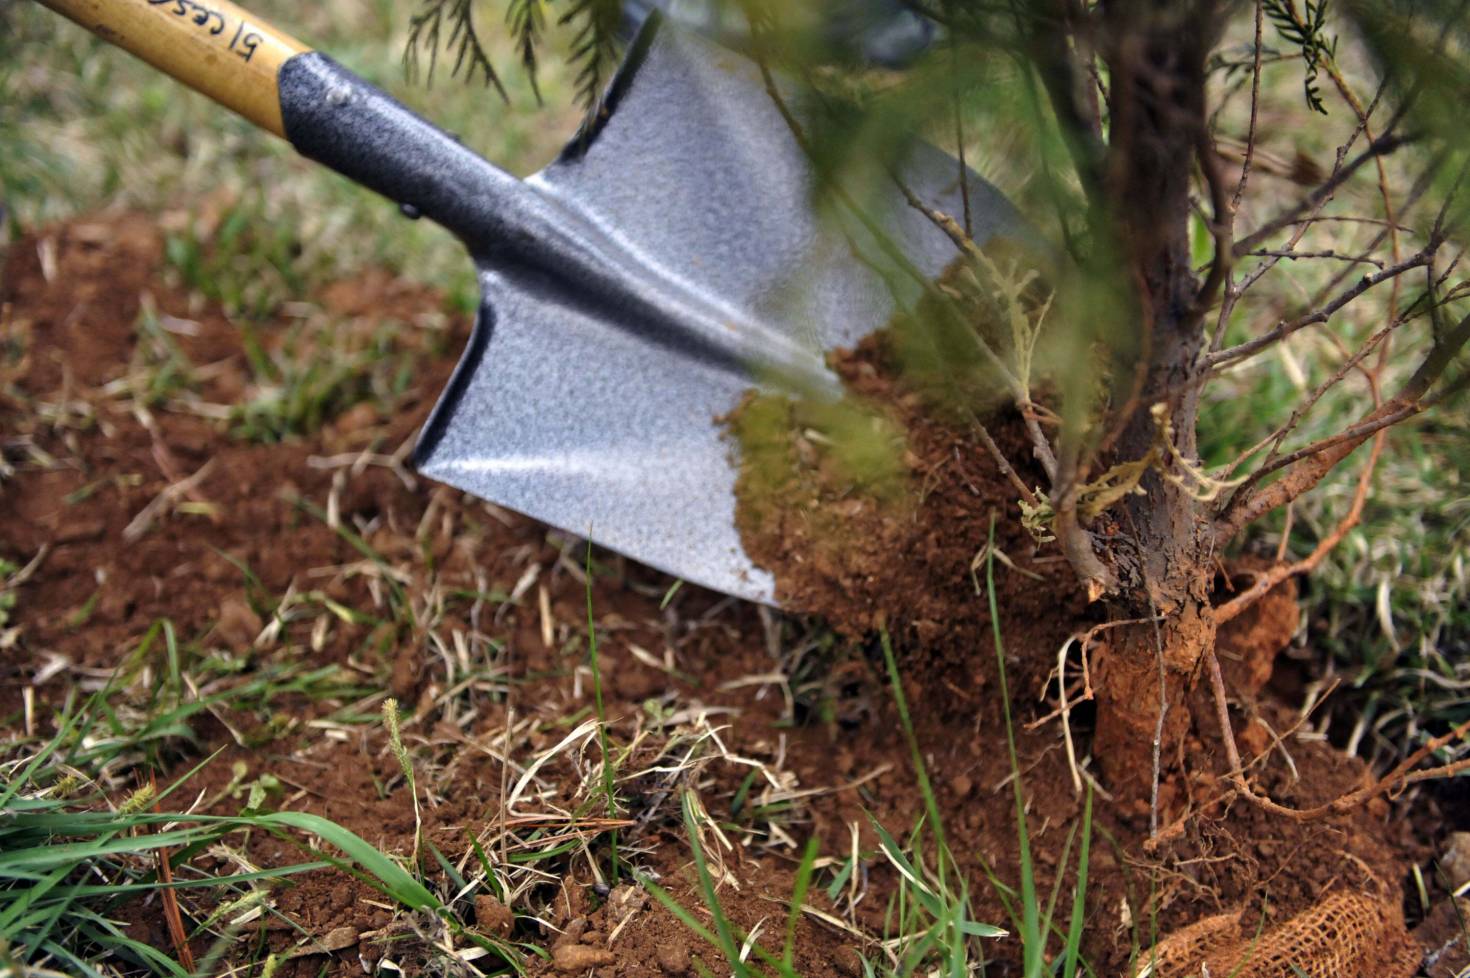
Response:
column 476, row 620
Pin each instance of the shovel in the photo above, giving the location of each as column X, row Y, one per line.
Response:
column 632, row 292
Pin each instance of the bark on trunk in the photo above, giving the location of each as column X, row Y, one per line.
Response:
column 1163, row 554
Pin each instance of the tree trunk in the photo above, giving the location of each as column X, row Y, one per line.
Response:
column 1140, row 673
column 1162, row 553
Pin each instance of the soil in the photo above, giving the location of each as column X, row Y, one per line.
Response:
column 828, row 525
column 479, row 678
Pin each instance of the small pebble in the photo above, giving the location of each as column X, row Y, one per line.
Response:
column 238, row 623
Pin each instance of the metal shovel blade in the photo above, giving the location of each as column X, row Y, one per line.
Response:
column 594, row 409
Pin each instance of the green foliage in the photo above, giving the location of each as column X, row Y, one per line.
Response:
column 426, row 29
column 8, row 597
column 450, row 26
column 594, row 46
column 1307, row 33
column 305, row 381
column 84, row 126
column 931, row 912
column 72, row 852
column 1035, row 926
column 79, row 843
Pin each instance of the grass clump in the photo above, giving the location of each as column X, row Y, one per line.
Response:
column 86, row 126
column 317, row 372
column 88, row 836
column 930, row 925
column 930, row 913
column 609, row 774
column 75, row 848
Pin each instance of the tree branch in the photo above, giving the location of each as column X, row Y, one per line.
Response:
column 1306, row 467
column 1383, row 145
column 1401, row 776
column 1287, row 327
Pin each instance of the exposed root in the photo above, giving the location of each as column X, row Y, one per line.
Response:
column 1400, row 777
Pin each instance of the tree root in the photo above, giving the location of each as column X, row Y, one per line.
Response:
column 1400, row 777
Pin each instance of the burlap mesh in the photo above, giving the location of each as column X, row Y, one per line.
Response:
column 1347, row 935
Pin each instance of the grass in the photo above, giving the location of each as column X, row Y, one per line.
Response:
column 609, row 775
column 77, row 848
column 84, row 126
column 930, row 927
column 80, row 852
column 1035, row 927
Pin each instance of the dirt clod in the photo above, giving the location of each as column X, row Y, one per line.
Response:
column 238, row 623
column 339, row 938
column 573, row 958
column 403, row 683
column 1456, row 859
column 493, row 917
column 848, row 961
column 673, row 957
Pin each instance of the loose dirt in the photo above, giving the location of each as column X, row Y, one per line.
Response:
column 876, row 512
column 475, row 619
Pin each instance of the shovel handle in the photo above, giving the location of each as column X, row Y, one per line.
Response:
column 213, row 46
column 325, row 111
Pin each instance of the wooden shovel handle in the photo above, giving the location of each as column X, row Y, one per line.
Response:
column 212, row 46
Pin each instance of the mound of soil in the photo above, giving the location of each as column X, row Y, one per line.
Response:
column 492, row 671
column 896, row 537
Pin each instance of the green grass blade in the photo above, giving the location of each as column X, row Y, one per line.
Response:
column 1032, row 937
column 609, row 777
column 71, row 853
column 798, row 898
column 727, row 943
column 1079, row 898
column 397, row 882
column 921, row 771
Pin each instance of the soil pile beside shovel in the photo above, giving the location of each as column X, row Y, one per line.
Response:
column 897, row 537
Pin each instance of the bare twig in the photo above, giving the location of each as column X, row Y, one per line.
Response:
column 1005, row 467
column 1322, row 315
column 1328, row 253
column 1250, row 137
column 1264, row 582
column 1381, row 146
column 1222, row 228
column 176, row 932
